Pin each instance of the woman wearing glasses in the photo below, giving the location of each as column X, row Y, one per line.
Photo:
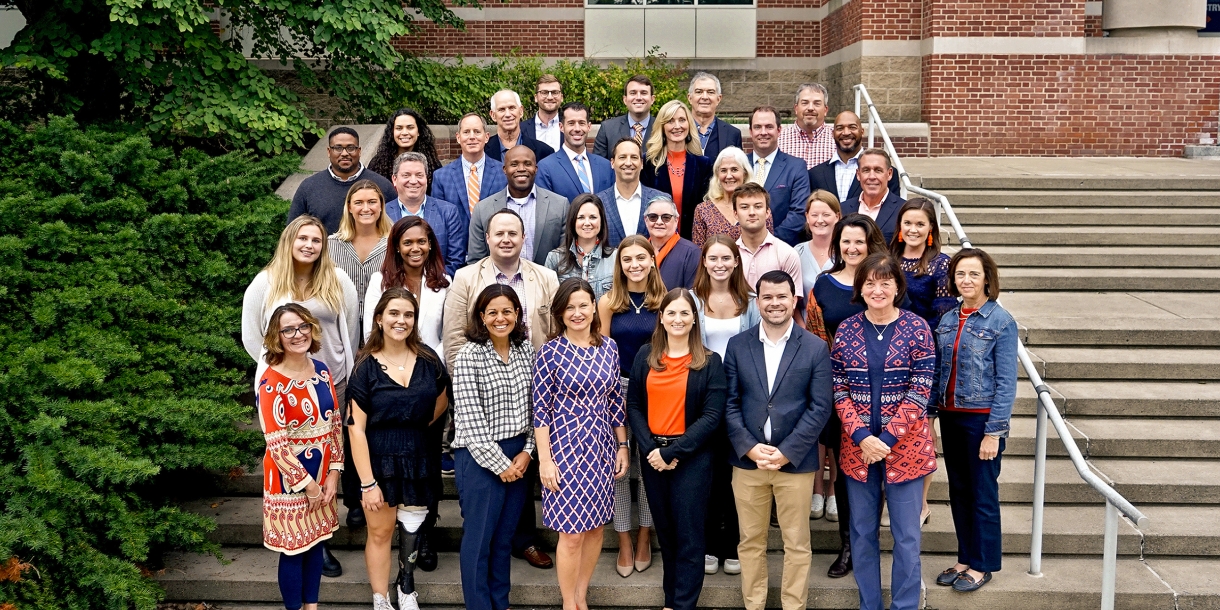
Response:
column 677, row 257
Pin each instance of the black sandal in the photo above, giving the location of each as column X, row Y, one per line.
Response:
column 948, row 577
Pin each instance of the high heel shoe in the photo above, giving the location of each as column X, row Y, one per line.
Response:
column 623, row 570
column 640, row 566
column 925, row 517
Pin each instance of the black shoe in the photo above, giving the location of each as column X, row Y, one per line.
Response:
column 331, row 568
column 966, row 583
column 355, row 517
column 426, row 560
column 948, row 577
column 842, row 565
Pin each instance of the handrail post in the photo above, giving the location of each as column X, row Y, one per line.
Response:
column 1109, row 559
column 1035, row 542
column 857, row 88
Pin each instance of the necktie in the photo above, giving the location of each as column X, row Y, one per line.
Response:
column 472, row 187
column 638, row 132
column 760, row 170
column 583, row 174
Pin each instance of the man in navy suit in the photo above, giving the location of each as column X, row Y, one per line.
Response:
column 574, row 170
column 779, row 397
column 506, row 111
column 637, row 123
column 783, row 175
column 715, row 134
column 838, row 175
column 544, row 127
column 624, row 202
column 473, row 172
column 410, row 180
column 876, row 200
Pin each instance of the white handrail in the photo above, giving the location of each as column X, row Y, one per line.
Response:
column 1115, row 502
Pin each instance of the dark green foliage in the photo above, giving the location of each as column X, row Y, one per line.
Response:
column 121, row 273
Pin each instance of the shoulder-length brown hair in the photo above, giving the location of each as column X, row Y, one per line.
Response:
column 394, row 269
column 898, row 246
column 660, row 337
column 654, row 287
column 567, row 288
column 738, row 287
column 376, row 340
column 271, row 338
column 991, row 272
column 476, row 329
column 872, row 234
column 347, row 224
column 567, row 259
column 879, row 266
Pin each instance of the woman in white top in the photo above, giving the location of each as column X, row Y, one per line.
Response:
column 414, row 262
column 358, row 248
column 817, row 255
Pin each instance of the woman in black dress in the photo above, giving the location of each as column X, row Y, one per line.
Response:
column 398, row 389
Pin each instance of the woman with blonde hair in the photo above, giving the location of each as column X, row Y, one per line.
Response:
column 358, row 248
column 674, row 162
column 715, row 215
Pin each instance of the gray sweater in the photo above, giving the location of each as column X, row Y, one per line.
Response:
column 322, row 195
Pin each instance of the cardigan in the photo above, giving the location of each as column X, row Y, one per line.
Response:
column 705, row 400
column 906, row 389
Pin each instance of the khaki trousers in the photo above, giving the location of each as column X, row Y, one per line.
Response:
column 753, row 491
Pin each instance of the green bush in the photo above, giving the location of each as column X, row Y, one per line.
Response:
column 121, row 272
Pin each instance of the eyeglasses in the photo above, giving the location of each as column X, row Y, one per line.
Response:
column 665, row 218
column 549, row 92
column 349, row 149
column 292, row 331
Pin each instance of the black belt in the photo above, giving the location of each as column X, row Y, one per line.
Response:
column 665, row 441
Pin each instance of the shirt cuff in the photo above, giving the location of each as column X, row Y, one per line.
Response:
column 860, row 435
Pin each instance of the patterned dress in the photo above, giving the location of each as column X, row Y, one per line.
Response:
column 709, row 221
column 577, row 396
column 929, row 293
column 304, row 441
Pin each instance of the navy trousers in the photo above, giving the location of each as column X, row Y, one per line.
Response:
column 490, row 510
column 906, row 502
column 678, row 500
column 300, row 577
column 974, row 490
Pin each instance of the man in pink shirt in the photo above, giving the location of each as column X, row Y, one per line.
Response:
column 809, row 138
column 760, row 250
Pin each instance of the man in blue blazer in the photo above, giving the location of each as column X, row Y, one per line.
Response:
column 506, row 111
column 779, row 397
column 625, row 201
column 558, row 173
column 715, row 134
column 876, row 200
column 783, row 175
column 638, row 97
column 452, row 182
column 410, row 179
column 849, row 143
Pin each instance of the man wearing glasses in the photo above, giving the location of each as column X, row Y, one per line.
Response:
column 544, row 127
column 324, row 193
column 677, row 258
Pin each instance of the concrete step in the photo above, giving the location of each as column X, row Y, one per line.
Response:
column 1119, row 331
column 1132, row 399
column 1127, row 364
column 1067, row 583
column 1109, row 280
column 1123, row 437
column 1082, row 199
column 1105, row 256
column 1058, row 217
column 1160, row 481
column 987, row 236
column 1064, row 174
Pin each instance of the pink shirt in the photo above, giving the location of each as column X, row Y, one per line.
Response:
column 813, row 149
column 772, row 254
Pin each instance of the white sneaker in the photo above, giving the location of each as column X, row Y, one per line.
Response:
column 711, row 564
column 885, row 516
column 408, row 601
column 818, row 507
column 732, row 566
column 832, row 509
column 381, row 602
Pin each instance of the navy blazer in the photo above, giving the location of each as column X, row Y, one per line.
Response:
column 788, row 185
column 694, row 186
column 541, row 149
column 557, row 174
column 449, row 184
column 614, row 129
column 679, row 267
column 723, row 136
column 799, row 406
column 616, row 228
column 887, row 218
column 446, row 222
column 822, row 176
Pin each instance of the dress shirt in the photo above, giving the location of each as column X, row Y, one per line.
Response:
column 517, row 282
column 490, row 403
column 704, row 136
column 761, row 177
column 478, row 165
column 405, row 212
column 771, row 254
column 772, row 354
column 527, row 208
column 631, row 127
column 584, row 162
column 845, row 173
column 814, row 148
column 351, row 178
column 871, row 212
column 548, row 132
column 629, row 208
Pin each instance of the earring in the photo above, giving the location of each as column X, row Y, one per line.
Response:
column 900, row 238
column 929, row 239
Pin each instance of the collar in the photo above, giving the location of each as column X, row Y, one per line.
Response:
column 762, row 335
column 817, row 131
column 524, row 200
column 631, row 122
column 985, row 310
column 710, row 126
column 638, row 194
column 466, row 165
column 573, row 154
column 596, row 252
column 837, row 159
column 554, row 122
column 769, row 239
column 770, row 158
column 351, row 178
column 873, row 207
column 405, row 212
column 499, row 272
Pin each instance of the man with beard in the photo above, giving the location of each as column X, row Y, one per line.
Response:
column 783, row 175
column 324, row 193
column 810, row 137
column 544, row 127
column 542, row 212
column 838, row 175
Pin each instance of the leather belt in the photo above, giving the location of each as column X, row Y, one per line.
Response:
column 665, row 441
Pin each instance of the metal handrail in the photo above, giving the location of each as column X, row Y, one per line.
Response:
column 1115, row 502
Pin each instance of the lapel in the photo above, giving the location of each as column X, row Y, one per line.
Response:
column 713, row 140
column 570, row 169
column 786, row 359
column 760, row 362
column 889, row 208
column 392, row 211
column 541, row 214
column 854, row 189
column 773, row 174
column 485, row 186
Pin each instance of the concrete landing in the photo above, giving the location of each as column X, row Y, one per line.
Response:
column 1059, row 173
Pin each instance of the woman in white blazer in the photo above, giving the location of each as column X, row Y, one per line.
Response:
column 414, row 261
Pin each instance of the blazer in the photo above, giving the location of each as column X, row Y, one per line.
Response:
column 906, row 387
column 540, row 287
column 449, row 184
column 822, row 176
column 679, row 267
column 723, row 136
column 788, row 185
column 617, row 226
column 887, row 218
column 704, row 407
column 541, row 149
column 449, row 225
column 549, row 216
column 694, row 186
column 557, row 174
column 614, row 129
column 799, row 405
column 427, row 319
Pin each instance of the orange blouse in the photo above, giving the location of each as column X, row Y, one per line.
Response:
column 667, row 397
column 676, row 161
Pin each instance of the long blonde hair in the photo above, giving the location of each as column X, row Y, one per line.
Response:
column 656, row 140
column 654, row 291
column 715, row 190
column 323, row 280
column 347, row 225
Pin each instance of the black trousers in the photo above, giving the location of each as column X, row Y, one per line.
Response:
column 678, row 499
column 721, row 533
column 841, row 498
column 974, row 490
column 527, row 526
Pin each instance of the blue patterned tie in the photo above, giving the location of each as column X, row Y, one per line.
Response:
column 583, row 175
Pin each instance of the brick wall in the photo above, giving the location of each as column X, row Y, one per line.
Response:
column 1092, row 26
column 487, row 38
column 1058, row 105
column 789, row 38
column 891, row 19
column 841, row 28
column 1025, row 18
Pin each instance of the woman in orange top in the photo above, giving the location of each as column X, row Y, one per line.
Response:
column 674, row 162
column 674, row 404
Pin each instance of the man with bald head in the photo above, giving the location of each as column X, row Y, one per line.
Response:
column 838, row 175
column 506, row 112
column 542, row 212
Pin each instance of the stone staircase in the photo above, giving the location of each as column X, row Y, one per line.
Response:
column 1112, row 268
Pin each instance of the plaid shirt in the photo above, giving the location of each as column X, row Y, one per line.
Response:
column 517, row 283
column 814, row 149
column 492, row 401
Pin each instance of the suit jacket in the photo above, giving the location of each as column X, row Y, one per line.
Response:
column 549, row 216
column 799, row 405
column 618, row 227
column 704, row 407
column 694, row 186
column 679, row 267
column 822, row 176
column 557, row 174
column 449, row 184
column 723, row 136
column 788, row 185
column 887, row 218
column 540, row 287
column 541, row 150
column 614, row 129
column 448, row 225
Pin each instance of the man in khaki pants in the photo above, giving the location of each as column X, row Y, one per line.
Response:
column 779, row 398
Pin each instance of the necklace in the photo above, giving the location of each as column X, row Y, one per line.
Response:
column 880, row 333
column 637, row 307
column 401, row 367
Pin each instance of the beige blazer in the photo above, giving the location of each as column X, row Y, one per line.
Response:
column 540, row 286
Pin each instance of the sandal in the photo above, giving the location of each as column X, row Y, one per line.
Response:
column 948, row 577
column 966, row 583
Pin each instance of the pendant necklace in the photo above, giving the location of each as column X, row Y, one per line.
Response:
column 881, row 332
column 401, row 367
column 640, row 306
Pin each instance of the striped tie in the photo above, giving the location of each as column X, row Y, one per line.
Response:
column 472, row 187
column 638, row 133
column 583, row 175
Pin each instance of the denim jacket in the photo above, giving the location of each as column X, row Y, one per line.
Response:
column 600, row 269
column 986, row 363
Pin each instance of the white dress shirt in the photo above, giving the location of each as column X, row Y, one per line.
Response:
column 580, row 158
column 770, row 165
column 772, row 354
column 548, row 132
column 845, row 173
column 629, row 208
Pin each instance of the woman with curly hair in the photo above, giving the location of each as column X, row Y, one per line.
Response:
column 406, row 131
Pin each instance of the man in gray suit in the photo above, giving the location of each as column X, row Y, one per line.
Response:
column 637, row 123
column 542, row 211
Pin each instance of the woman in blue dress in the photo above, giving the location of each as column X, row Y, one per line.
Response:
column 916, row 246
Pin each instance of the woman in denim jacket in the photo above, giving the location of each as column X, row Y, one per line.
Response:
column 976, row 380
column 585, row 253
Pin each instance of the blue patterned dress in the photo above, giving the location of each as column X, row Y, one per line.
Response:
column 577, row 396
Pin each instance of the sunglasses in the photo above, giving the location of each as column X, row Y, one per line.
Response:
column 665, row 218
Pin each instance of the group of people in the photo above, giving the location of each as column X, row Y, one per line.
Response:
column 723, row 329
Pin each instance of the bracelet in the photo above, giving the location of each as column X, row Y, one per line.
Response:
column 368, row 486
column 313, row 497
column 623, row 444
